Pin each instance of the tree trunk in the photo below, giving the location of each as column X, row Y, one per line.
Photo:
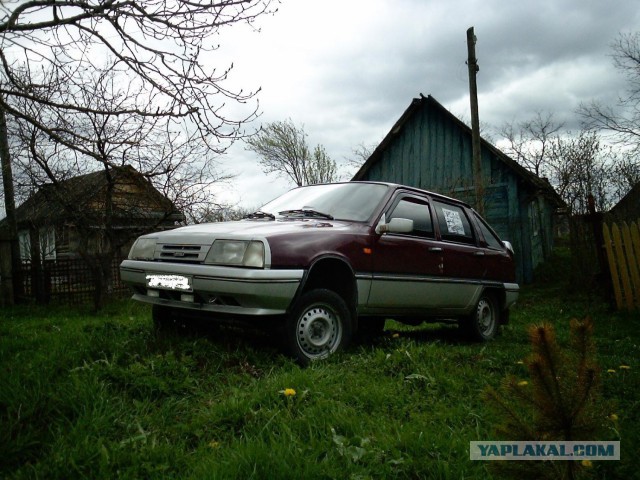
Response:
column 101, row 271
column 10, row 209
column 98, row 285
column 37, row 262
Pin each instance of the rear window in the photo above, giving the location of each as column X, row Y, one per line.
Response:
column 492, row 240
column 454, row 224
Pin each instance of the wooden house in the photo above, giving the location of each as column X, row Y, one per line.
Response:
column 628, row 208
column 429, row 148
column 78, row 212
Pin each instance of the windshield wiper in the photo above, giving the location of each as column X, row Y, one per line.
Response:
column 306, row 213
column 261, row 214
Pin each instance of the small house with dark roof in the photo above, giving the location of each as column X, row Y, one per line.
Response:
column 120, row 199
column 628, row 208
column 430, row 148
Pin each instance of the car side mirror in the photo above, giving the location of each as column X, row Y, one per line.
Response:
column 508, row 246
column 396, row 225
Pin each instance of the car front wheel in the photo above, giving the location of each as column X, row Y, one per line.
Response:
column 319, row 325
column 482, row 324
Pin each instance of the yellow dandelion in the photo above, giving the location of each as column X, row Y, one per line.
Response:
column 289, row 392
column 214, row 444
column 613, row 417
column 523, row 383
column 611, row 370
column 624, row 367
column 587, row 463
column 395, row 335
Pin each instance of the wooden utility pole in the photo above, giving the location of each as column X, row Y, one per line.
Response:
column 472, row 63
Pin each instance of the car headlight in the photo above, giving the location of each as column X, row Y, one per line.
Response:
column 242, row 253
column 143, row 249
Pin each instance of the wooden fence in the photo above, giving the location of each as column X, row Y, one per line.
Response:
column 622, row 244
column 67, row 281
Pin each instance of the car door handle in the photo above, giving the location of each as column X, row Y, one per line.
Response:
column 435, row 249
column 478, row 254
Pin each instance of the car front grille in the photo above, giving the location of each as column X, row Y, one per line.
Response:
column 183, row 253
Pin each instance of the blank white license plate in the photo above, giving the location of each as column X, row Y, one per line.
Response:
column 170, row 282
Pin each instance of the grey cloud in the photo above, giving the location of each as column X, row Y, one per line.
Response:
column 349, row 86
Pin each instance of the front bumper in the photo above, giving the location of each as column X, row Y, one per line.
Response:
column 225, row 290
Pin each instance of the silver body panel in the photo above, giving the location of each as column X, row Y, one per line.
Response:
column 258, row 292
column 428, row 296
column 512, row 290
column 253, row 291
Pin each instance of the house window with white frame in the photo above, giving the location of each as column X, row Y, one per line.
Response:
column 47, row 244
column 24, row 240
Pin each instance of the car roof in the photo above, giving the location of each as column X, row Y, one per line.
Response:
column 398, row 186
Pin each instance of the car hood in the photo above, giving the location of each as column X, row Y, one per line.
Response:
column 206, row 233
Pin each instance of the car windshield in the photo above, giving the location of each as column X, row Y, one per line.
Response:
column 342, row 201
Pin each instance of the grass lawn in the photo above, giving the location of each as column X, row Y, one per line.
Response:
column 85, row 396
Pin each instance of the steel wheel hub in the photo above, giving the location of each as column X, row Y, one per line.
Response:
column 485, row 316
column 319, row 331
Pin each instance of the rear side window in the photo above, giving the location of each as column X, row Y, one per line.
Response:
column 454, row 224
column 418, row 211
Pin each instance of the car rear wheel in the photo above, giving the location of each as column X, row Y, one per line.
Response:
column 482, row 324
column 319, row 325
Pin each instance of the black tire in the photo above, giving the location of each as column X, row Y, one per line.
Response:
column 483, row 324
column 319, row 325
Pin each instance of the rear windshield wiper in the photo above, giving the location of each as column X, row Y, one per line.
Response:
column 306, row 213
column 260, row 214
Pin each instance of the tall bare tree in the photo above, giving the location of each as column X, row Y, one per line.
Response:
column 528, row 142
column 576, row 164
column 621, row 120
column 282, row 148
column 150, row 57
column 580, row 166
column 359, row 155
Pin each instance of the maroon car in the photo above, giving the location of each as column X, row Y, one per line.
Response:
column 327, row 261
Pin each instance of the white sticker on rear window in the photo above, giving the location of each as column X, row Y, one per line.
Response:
column 454, row 221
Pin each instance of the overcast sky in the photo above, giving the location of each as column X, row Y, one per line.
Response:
column 347, row 69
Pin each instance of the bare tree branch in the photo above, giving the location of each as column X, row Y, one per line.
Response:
column 577, row 165
column 530, row 139
column 158, row 43
column 92, row 85
column 621, row 121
